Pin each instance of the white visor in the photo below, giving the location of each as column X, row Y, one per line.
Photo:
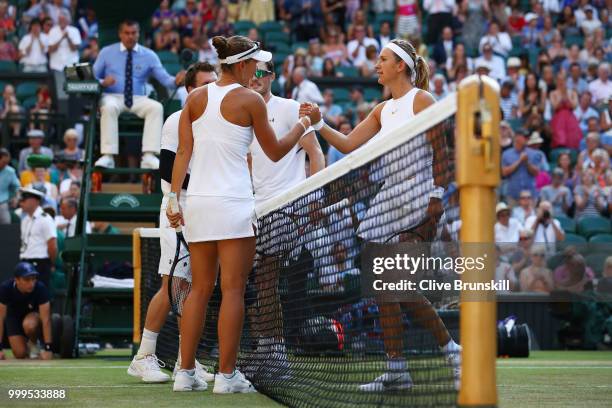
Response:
column 255, row 53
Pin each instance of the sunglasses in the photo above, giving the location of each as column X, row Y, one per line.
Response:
column 262, row 73
column 538, row 255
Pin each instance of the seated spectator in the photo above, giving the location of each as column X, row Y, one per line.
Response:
column 329, row 69
column 520, row 166
column 46, row 25
column 253, row 35
column 91, row 51
column 314, row 59
column 208, row 10
column 72, row 150
column 547, row 34
column 35, row 141
column 573, row 275
column 506, row 135
column 356, row 48
column 7, row 48
column 575, row 80
column 368, row 67
column 531, row 32
column 496, row 64
column 360, row 19
column 88, row 24
column 206, row 52
column 606, row 126
column 500, row 41
column 305, row 90
column 585, row 157
column 508, row 101
column 42, row 177
column 167, row 38
column 546, row 229
column 443, row 50
column 10, row 108
column 9, row 184
column 221, row 25
column 558, row 194
column 39, row 113
column 591, row 22
column 573, row 57
column 305, row 17
column 536, row 277
column 567, row 22
column 506, row 228
column 516, row 21
column 384, row 35
column 333, row 154
column 584, row 111
column 55, row 9
column 532, row 99
column 505, row 272
column 113, row 66
column 604, row 285
column 525, row 207
column 187, row 17
column 519, row 257
column 589, row 196
column 67, row 221
column 565, row 127
column 329, row 110
column 408, row 18
column 25, row 312
column 335, row 49
column 70, row 189
column 331, row 277
column 162, row 13
column 64, row 42
column 330, row 26
column 458, row 60
column 440, row 89
column 601, row 163
column 601, row 88
column 557, row 51
column 33, row 49
column 7, row 19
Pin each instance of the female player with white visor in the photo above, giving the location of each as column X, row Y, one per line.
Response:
column 407, row 76
column 216, row 128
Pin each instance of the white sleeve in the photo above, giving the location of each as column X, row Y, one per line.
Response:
column 75, row 36
column 49, row 230
column 24, row 43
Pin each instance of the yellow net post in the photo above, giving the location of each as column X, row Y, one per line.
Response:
column 478, row 174
column 137, row 263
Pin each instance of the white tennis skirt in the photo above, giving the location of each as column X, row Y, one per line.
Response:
column 210, row 218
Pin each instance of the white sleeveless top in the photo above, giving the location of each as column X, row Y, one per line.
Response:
column 219, row 160
column 406, row 176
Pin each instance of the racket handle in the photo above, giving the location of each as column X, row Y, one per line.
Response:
column 174, row 208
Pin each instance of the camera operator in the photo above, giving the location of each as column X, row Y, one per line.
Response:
column 546, row 230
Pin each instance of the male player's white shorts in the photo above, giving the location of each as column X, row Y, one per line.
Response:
column 167, row 243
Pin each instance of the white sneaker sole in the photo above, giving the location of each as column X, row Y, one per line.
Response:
column 228, row 391
column 134, row 373
column 185, row 389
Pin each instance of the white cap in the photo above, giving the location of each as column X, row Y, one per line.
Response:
column 501, row 207
column 32, row 191
column 482, row 64
column 530, row 16
column 254, row 52
column 513, row 62
column 535, row 139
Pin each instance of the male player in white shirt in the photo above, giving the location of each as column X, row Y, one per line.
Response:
column 145, row 363
column 271, row 179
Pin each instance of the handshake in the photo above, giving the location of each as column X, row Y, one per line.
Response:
column 312, row 111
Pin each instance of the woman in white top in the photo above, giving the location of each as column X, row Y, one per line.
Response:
column 215, row 130
column 415, row 219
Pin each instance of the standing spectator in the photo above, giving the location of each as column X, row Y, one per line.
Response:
column 384, row 35
column 88, row 24
column 558, row 194
column 589, row 197
column 443, row 49
column 167, row 38
column 567, row 22
column 336, row 9
column 457, row 61
column 546, row 229
column 10, row 109
column 440, row 14
column 9, row 184
column 537, row 277
column 474, row 27
column 55, row 9
column 187, row 18
column 360, row 19
column 508, row 101
column 221, row 25
column 38, row 234
column 162, row 13
column 64, row 43
column 499, row 40
column 531, row 33
column 519, row 166
column 329, row 110
column 548, row 32
column 72, row 151
column 601, row 88
column 506, row 228
column 33, row 49
column 584, row 111
column 257, row 11
column 525, row 208
column 35, row 140
column 46, row 25
column 208, row 11
column 575, row 80
column 516, row 21
column 7, row 21
column 305, row 18
column 532, row 100
column 7, row 48
column 565, row 127
column 41, row 177
column 407, row 18
column 357, row 48
column 591, row 22
column 305, row 90
column 124, row 90
column 495, row 63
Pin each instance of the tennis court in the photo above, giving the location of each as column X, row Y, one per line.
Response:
column 547, row 379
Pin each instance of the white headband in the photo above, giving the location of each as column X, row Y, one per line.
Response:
column 245, row 55
column 405, row 57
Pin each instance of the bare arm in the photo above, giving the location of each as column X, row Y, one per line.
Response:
column 52, row 250
column 311, row 146
column 185, row 146
column 44, row 311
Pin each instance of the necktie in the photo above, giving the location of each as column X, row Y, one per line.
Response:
column 67, row 230
column 127, row 91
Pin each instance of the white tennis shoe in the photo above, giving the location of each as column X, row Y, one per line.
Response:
column 200, row 371
column 236, row 384
column 186, row 382
column 454, row 359
column 149, row 161
column 148, row 368
column 390, row 381
column 106, row 161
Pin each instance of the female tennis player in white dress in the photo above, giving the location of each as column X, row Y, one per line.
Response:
column 216, row 128
column 422, row 180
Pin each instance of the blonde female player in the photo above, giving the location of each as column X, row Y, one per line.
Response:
column 216, row 128
column 407, row 76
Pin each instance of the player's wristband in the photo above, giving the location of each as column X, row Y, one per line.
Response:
column 302, row 123
column 317, row 126
column 47, row 347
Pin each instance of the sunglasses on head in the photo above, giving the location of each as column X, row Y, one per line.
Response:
column 262, row 73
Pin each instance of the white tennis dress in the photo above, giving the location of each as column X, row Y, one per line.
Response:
column 167, row 235
column 220, row 202
column 407, row 177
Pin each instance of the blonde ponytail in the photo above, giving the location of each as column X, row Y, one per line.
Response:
column 422, row 74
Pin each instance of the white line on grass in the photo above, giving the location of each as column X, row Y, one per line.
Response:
column 551, row 367
column 58, row 367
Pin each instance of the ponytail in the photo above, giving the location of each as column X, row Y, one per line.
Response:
column 422, row 74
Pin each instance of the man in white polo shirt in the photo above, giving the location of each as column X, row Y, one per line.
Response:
column 64, row 41
column 33, row 49
column 506, row 228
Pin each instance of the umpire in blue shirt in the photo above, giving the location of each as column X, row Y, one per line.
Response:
column 24, row 311
column 123, row 70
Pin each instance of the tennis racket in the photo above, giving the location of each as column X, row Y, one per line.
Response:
column 179, row 285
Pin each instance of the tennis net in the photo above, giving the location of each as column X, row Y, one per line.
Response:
column 312, row 336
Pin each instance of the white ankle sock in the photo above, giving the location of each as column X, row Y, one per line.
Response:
column 397, row 364
column 228, row 376
column 148, row 344
column 190, row 372
column 451, row 347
